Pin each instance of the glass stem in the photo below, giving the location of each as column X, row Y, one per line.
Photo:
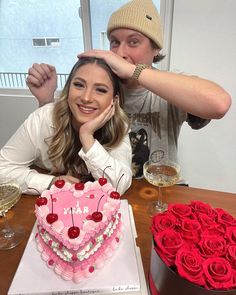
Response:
column 7, row 231
column 159, row 199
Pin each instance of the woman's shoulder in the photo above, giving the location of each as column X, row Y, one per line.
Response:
column 42, row 115
column 45, row 110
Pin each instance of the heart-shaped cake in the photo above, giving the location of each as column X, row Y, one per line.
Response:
column 79, row 227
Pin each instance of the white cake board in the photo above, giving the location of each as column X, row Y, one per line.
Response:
column 122, row 274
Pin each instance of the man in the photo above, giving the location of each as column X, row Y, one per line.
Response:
column 155, row 101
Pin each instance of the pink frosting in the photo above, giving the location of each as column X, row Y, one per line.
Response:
column 96, row 241
column 84, row 270
column 93, row 198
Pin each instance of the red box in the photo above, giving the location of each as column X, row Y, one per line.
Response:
column 164, row 281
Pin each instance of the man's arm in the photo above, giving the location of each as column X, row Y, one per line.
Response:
column 42, row 82
column 194, row 95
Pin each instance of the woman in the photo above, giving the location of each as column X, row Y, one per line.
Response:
column 77, row 137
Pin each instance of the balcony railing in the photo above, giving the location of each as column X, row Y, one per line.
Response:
column 18, row 80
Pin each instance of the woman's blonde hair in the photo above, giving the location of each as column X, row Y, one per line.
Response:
column 65, row 144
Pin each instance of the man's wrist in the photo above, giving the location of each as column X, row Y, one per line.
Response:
column 138, row 70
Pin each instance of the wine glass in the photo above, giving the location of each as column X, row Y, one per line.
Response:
column 161, row 174
column 10, row 194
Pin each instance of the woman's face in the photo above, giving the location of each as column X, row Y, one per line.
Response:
column 90, row 92
column 133, row 46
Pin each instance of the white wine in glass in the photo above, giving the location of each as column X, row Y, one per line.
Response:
column 10, row 194
column 160, row 174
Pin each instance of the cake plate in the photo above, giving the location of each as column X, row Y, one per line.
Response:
column 122, row 274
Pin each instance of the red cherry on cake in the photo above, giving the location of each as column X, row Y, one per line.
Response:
column 51, row 217
column 97, row 216
column 73, row 232
column 102, row 180
column 41, row 201
column 79, row 186
column 115, row 195
column 59, row 183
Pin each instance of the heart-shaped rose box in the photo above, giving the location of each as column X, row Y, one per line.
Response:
column 165, row 281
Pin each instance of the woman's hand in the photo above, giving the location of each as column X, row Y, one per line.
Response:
column 87, row 130
column 42, row 82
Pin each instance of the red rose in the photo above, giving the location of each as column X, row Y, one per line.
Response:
column 190, row 230
column 200, row 207
column 218, row 273
column 212, row 246
column 214, row 230
column 225, row 218
column 231, row 256
column 199, row 243
column 205, row 220
column 163, row 221
column 168, row 243
column 209, row 225
column 180, row 210
column 189, row 265
column 231, row 234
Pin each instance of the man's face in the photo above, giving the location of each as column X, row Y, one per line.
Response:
column 133, row 46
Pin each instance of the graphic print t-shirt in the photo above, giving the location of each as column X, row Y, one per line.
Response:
column 155, row 127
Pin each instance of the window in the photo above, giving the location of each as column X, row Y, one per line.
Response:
column 36, row 22
column 39, row 42
column 39, row 31
column 50, row 42
column 104, row 43
column 54, row 42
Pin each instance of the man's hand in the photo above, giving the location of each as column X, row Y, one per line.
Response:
column 119, row 65
column 42, row 82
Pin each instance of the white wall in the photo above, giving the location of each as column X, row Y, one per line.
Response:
column 15, row 106
column 203, row 43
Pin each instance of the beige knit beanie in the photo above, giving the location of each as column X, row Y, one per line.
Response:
column 141, row 16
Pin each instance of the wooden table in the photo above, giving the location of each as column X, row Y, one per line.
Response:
column 139, row 195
